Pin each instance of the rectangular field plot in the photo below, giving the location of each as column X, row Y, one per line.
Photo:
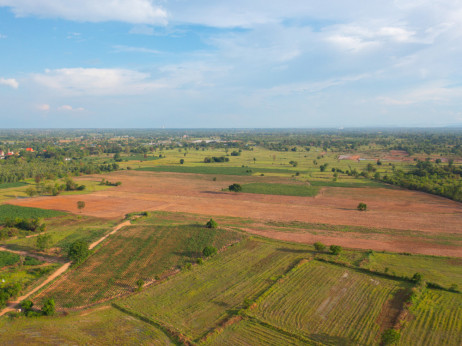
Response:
column 196, row 301
column 435, row 320
column 328, row 304
column 106, row 326
column 250, row 332
column 133, row 253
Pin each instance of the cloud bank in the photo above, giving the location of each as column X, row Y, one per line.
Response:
column 128, row 11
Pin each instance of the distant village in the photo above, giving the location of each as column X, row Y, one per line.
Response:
column 9, row 153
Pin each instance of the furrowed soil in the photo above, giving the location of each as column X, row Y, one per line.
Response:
column 390, row 208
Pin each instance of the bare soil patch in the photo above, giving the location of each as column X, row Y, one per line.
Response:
column 391, row 208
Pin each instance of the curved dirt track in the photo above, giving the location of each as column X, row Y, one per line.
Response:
column 390, row 208
column 13, row 305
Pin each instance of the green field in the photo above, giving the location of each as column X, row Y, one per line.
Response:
column 99, row 327
column 11, row 185
column 251, row 332
column 435, row 320
column 64, row 230
column 8, row 211
column 204, row 169
column 8, row 259
column 136, row 252
column 280, row 189
column 196, row 301
column 324, row 302
column 441, row 270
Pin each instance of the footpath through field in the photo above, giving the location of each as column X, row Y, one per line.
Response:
column 12, row 306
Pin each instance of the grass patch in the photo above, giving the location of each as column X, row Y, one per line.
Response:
column 196, row 301
column 98, row 327
column 436, row 320
column 356, row 183
column 11, row 185
column 250, row 332
column 327, row 304
column 219, row 170
column 135, row 252
column 8, row 211
column 280, row 189
column 64, row 231
column 8, row 259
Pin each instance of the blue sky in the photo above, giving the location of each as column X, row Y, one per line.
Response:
column 214, row 63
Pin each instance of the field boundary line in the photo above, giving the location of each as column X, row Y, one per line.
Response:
column 174, row 335
column 231, row 318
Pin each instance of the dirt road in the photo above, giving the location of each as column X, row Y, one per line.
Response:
column 13, row 305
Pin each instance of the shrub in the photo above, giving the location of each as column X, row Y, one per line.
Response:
column 78, row 251
column 362, row 206
column 417, row 278
column 211, row 224
column 390, row 337
column 209, row 251
column 235, row 187
column 335, row 249
column 140, row 284
column 181, row 161
column 319, row 246
column 200, row 261
column 43, row 241
column 48, row 308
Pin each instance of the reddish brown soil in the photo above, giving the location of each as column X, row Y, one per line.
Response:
column 387, row 208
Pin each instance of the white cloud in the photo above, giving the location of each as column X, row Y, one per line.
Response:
column 93, row 81
column 11, row 82
column 3, row 36
column 43, row 107
column 70, row 108
column 129, row 11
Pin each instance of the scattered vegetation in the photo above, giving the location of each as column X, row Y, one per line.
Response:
column 362, row 206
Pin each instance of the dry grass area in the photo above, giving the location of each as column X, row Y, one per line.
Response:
column 390, row 208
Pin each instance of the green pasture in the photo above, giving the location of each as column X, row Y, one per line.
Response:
column 8, row 211
column 136, row 252
column 106, row 326
column 281, row 189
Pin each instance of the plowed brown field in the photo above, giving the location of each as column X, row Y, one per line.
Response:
column 387, row 208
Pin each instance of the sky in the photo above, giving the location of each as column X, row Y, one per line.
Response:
column 222, row 64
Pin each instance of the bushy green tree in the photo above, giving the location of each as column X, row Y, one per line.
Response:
column 43, row 241
column 319, row 246
column 48, row 308
column 211, row 224
column 362, row 206
column 235, row 187
column 335, row 249
column 78, row 251
column 209, row 251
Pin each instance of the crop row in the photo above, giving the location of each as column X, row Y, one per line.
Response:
column 435, row 320
column 200, row 299
column 322, row 301
column 136, row 252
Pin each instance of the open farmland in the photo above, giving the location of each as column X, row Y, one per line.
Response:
column 394, row 208
column 103, row 326
column 323, row 302
column 63, row 230
column 143, row 251
column 194, row 302
column 8, row 211
column 435, row 320
column 251, row 332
